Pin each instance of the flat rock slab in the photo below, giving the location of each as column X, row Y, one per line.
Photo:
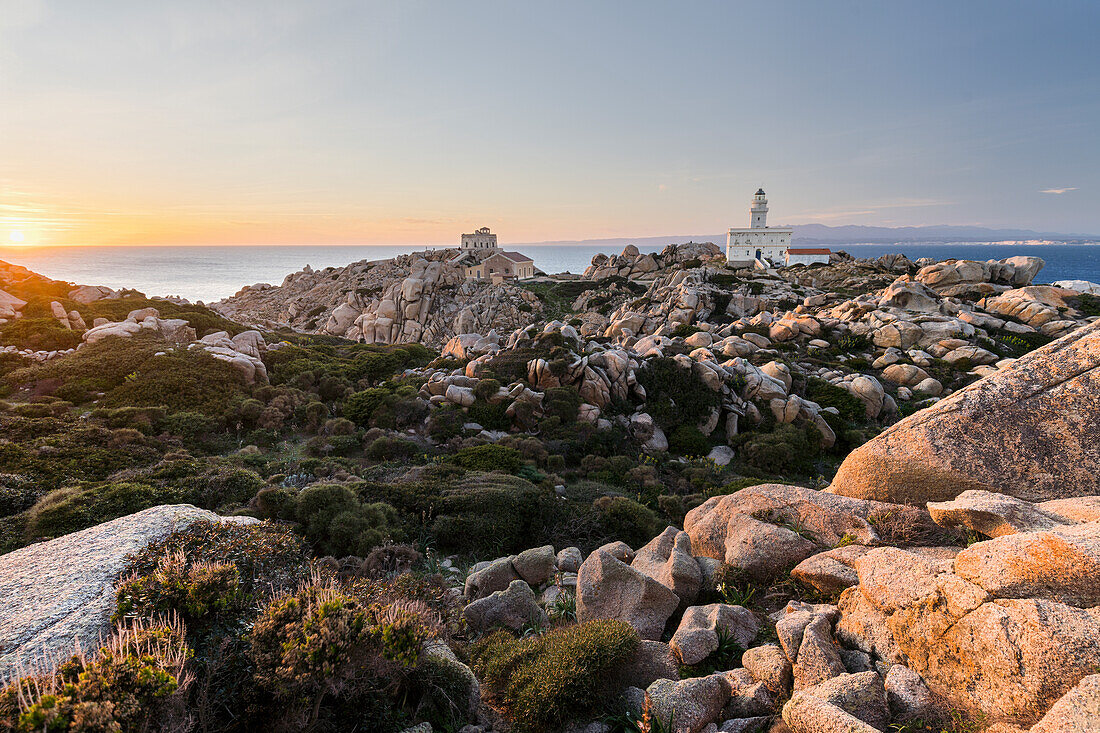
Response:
column 60, row 594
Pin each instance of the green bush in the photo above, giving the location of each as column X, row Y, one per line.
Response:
column 489, row 416
column 683, row 330
column 181, row 381
column 268, row 558
column 445, row 423
column 786, row 450
column 361, row 406
column 627, row 520
column 196, row 430
column 1089, row 305
column 544, row 682
column 38, row 334
column 97, row 367
column 195, row 590
column 390, row 449
column 827, row 394
column 562, row 402
column 338, row 524
column 675, row 395
column 486, row 389
column 688, row 440
column 74, row 508
column 488, row 457
column 490, row 513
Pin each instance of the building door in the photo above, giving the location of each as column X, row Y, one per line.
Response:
column 758, row 254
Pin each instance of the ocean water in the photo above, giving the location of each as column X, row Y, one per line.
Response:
column 210, row 273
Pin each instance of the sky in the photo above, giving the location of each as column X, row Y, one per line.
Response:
column 327, row 122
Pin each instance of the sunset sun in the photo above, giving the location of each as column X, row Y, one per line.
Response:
column 16, row 237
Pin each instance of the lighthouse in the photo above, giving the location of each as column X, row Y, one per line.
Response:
column 759, row 245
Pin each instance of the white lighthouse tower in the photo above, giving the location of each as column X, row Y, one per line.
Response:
column 759, row 245
column 759, row 210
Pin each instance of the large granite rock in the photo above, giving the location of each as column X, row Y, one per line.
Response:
column 1028, row 430
column 610, row 589
column 512, row 608
column 772, row 527
column 852, row 703
column 667, row 559
column 60, row 594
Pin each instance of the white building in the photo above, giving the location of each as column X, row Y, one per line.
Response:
column 807, row 256
column 759, row 243
column 481, row 239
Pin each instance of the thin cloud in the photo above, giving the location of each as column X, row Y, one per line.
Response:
column 1058, row 190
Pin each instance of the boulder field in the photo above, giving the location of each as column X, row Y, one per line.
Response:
column 1005, row 630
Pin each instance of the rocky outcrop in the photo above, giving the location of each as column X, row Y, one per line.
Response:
column 1005, row 629
column 59, row 595
column 633, row 264
column 416, row 298
column 143, row 320
column 697, row 635
column 852, row 703
column 1044, row 411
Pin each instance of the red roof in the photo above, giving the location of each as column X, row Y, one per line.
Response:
column 516, row 256
column 792, row 251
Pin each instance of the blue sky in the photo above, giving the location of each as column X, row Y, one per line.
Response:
column 196, row 122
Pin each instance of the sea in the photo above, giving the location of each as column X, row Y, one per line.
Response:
column 210, row 273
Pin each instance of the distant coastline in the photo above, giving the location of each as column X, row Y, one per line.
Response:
column 210, row 273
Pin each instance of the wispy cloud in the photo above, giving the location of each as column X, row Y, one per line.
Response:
column 1058, row 190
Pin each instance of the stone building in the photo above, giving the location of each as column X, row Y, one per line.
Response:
column 482, row 259
column 500, row 266
column 759, row 243
column 480, row 240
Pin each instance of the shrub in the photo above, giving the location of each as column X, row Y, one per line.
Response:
column 389, row 449
column 196, row 430
column 488, row 457
column 97, row 367
column 321, row 643
column 683, row 330
column 268, row 558
column 489, row 415
column 182, row 381
column 627, row 520
column 192, row 589
column 544, row 682
column 136, row 682
column 1089, row 305
column 787, row 449
column 675, row 395
column 38, row 334
column 486, row 389
column 361, row 406
column 827, row 394
column 492, row 513
column 562, row 402
column 445, row 423
column 337, row 523
column 688, row 440
column 74, row 508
